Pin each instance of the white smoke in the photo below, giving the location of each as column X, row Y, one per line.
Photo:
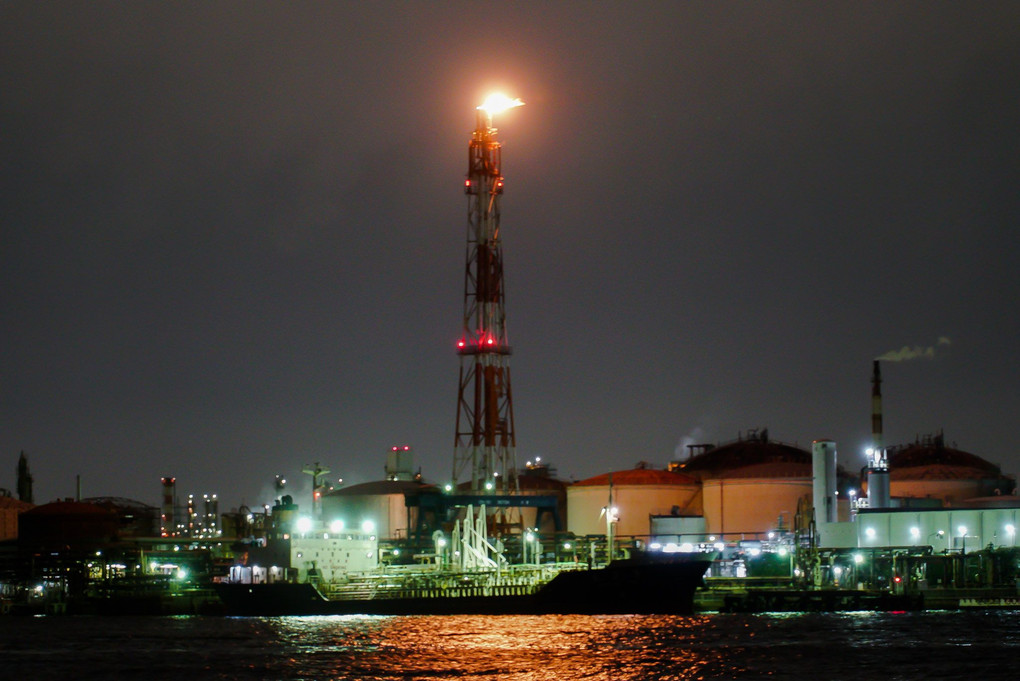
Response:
column 695, row 437
column 917, row 352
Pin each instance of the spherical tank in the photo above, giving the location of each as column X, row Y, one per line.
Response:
column 637, row 495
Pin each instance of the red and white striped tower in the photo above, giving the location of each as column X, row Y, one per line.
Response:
column 167, row 524
column 484, row 445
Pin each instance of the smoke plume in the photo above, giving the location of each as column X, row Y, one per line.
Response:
column 917, row 352
column 695, row 437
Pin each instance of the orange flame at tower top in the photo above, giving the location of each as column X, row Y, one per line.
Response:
column 498, row 103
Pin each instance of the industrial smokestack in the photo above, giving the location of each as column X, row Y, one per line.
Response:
column 878, row 463
column 876, row 407
column 168, row 520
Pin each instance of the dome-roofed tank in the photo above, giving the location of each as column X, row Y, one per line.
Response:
column 928, row 468
column 381, row 503
column 752, row 485
column 638, row 494
column 755, row 452
column 136, row 518
column 67, row 524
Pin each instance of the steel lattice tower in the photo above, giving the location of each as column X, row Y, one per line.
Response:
column 484, row 443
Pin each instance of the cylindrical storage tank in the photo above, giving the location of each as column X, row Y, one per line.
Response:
column 823, row 467
column 753, row 501
column 382, row 503
column 638, row 494
column 878, row 488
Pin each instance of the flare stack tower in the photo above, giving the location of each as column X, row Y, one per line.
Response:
column 485, row 446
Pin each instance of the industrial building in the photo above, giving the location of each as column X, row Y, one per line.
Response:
column 921, row 493
column 752, row 486
column 737, row 490
column 740, row 489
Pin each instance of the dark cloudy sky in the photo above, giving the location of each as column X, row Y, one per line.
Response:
column 233, row 234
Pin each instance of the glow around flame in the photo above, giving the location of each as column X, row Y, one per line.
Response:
column 497, row 103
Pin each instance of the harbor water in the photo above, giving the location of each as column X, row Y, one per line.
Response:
column 866, row 645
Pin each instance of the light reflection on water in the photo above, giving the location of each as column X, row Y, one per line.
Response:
column 516, row 647
column 889, row 646
column 893, row 646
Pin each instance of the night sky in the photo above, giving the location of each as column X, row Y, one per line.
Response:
column 233, row 234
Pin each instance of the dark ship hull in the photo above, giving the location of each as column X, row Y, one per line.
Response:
column 646, row 585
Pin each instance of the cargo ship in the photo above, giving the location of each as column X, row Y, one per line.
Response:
column 650, row 583
column 342, row 572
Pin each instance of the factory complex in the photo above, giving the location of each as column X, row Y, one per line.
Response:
column 925, row 520
column 770, row 525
